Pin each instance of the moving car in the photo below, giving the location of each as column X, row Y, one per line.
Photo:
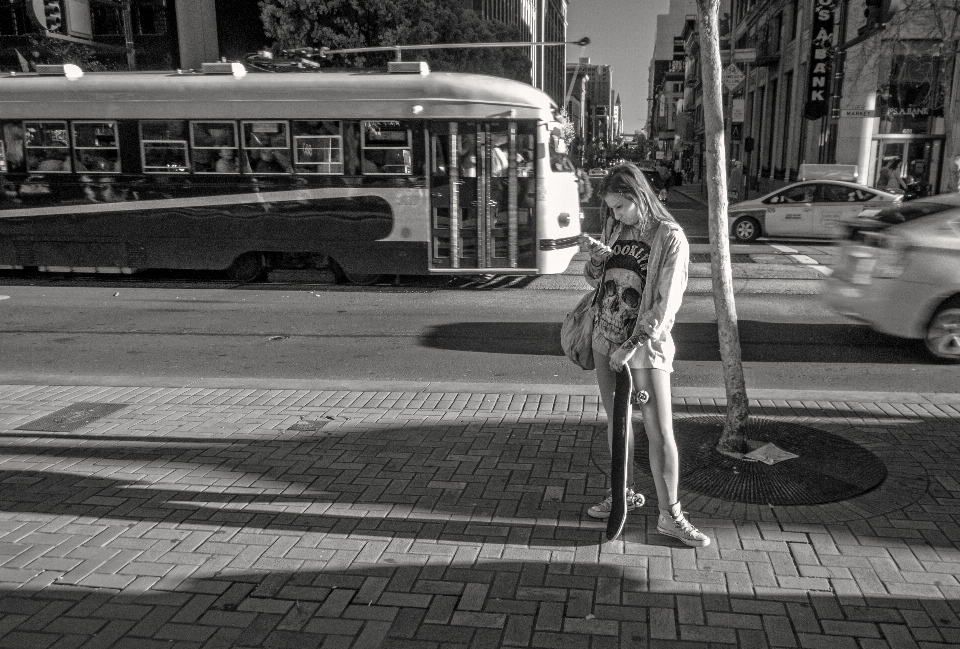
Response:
column 811, row 209
column 899, row 272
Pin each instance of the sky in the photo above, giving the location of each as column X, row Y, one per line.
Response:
column 621, row 34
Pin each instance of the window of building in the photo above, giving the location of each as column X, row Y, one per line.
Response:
column 794, row 19
column 318, row 147
column 214, row 147
column 105, row 20
column 266, row 147
column 164, row 146
column 13, row 20
column 47, row 147
column 386, row 148
column 95, row 147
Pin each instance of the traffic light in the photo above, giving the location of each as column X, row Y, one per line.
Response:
column 877, row 13
column 48, row 14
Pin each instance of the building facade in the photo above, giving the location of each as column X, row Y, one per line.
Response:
column 599, row 107
column 846, row 82
column 542, row 21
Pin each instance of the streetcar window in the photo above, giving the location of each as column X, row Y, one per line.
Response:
column 47, row 147
column 266, row 147
column 164, row 146
column 214, row 147
column 11, row 147
column 95, row 147
column 386, row 148
column 318, row 147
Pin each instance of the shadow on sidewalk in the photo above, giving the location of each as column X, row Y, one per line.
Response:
column 769, row 342
column 428, row 599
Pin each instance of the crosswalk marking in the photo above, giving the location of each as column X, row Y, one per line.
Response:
column 803, row 259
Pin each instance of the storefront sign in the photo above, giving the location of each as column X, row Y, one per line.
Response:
column 823, row 35
column 856, row 112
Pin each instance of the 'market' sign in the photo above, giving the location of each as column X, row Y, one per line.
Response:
column 822, row 39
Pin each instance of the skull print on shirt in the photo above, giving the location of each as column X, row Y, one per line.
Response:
column 623, row 282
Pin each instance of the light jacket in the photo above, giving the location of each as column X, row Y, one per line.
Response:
column 667, row 276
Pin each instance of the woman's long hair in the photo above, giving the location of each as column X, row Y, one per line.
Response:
column 628, row 181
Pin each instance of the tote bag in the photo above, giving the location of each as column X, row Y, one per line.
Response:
column 576, row 332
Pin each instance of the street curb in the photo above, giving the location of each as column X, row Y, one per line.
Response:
column 225, row 383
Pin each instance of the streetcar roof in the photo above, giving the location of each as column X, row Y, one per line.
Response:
column 357, row 94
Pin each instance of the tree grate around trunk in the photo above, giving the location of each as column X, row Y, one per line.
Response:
column 829, row 468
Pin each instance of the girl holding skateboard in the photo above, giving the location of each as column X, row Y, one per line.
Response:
column 643, row 270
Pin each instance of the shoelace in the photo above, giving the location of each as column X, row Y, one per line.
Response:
column 684, row 525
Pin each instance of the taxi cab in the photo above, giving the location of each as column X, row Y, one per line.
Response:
column 810, row 209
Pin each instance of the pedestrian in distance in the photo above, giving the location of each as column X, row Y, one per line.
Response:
column 641, row 266
column 889, row 178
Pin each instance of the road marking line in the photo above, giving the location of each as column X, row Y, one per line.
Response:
column 785, row 249
column 824, row 270
column 804, row 259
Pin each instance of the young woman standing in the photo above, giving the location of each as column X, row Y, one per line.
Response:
column 643, row 270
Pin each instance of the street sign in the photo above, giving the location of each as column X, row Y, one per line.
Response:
column 737, row 111
column 736, row 132
column 732, row 77
column 857, row 112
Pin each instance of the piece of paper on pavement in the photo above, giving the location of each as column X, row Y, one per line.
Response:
column 769, row 454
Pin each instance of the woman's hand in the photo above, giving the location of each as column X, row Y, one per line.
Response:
column 620, row 357
column 598, row 251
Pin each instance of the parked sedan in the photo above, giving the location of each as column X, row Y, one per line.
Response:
column 807, row 209
column 899, row 271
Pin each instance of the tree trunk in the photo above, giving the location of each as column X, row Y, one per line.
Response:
column 732, row 440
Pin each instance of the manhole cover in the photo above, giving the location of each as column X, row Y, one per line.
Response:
column 829, row 468
column 71, row 418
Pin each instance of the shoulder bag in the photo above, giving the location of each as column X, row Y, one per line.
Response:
column 576, row 332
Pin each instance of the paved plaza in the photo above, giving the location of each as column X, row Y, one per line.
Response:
column 201, row 514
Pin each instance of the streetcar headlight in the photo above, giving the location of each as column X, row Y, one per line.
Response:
column 563, row 219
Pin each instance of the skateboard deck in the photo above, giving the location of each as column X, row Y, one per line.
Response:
column 618, row 452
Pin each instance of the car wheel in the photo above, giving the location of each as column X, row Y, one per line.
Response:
column 248, row 267
column 357, row 279
column 943, row 332
column 746, row 229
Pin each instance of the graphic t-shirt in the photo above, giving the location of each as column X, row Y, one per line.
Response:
column 623, row 282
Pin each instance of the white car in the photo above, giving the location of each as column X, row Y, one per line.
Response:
column 810, row 209
column 899, row 272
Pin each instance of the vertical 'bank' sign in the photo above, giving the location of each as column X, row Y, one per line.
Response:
column 821, row 42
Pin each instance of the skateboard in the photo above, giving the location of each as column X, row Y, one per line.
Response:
column 618, row 452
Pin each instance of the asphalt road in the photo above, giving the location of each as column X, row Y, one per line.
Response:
column 424, row 334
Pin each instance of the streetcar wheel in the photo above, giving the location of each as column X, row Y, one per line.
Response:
column 746, row 229
column 943, row 332
column 358, row 279
column 248, row 267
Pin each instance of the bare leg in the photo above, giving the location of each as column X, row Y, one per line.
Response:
column 658, row 424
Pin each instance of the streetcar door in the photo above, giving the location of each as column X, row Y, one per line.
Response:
column 482, row 196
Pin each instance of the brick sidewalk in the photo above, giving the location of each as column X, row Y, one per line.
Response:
column 240, row 517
